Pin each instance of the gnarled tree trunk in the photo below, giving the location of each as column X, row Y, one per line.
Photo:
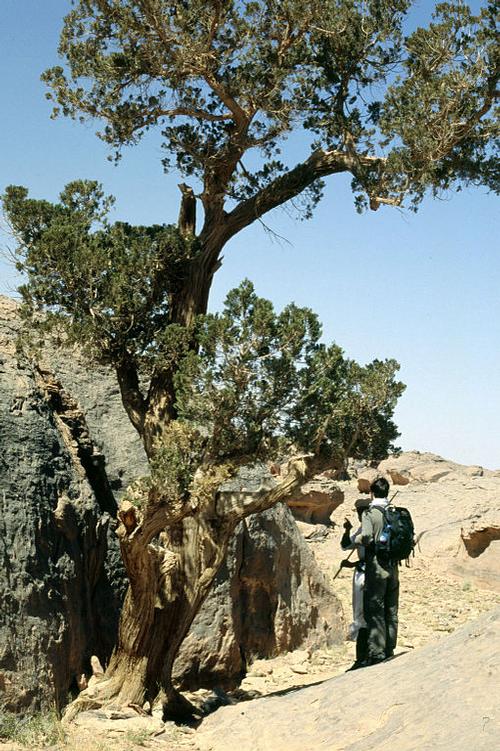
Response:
column 171, row 562
column 170, row 578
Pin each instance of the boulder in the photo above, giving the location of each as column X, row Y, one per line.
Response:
column 365, row 479
column 268, row 598
column 316, row 500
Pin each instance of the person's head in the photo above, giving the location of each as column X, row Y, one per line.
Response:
column 361, row 505
column 380, row 487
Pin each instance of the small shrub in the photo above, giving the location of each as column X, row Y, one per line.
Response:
column 137, row 737
column 41, row 729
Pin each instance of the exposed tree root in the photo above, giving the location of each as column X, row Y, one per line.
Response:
column 113, row 694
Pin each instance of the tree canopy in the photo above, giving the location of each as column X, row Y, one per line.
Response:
column 207, row 395
column 227, row 82
column 245, row 383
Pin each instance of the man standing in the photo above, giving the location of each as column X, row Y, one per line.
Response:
column 381, row 579
column 357, row 630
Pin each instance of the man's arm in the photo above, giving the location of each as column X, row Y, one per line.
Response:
column 346, row 541
column 350, row 539
column 367, row 532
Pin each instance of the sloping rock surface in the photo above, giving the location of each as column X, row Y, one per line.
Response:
column 444, row 697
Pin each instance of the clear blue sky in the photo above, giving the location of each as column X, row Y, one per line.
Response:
column 423, row 289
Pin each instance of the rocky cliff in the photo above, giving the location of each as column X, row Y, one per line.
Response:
column 58, row 600
column 67, row 451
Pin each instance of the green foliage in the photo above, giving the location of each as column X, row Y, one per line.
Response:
column 223, row 79
column 439, row 107
column 243, row 384
column 261, row 381
column 107, row 287
column 176, row 459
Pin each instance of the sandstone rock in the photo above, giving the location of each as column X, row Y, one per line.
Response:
column 426, row 467
column 474, row 471
column 366, row 478
column 480, row 557
column 443, row 696
column 394, row 471
column 316, row 501
column 397, row 478
column 429, row 473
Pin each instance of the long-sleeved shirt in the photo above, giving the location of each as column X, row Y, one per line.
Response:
column 351, row 540
column 372, row 523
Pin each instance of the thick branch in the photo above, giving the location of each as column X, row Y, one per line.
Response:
column 187, row 213
column 132, row 398
column 196, row 113
column 140, row 527
column 236, row 506
column 287, row 186
column 241, row 117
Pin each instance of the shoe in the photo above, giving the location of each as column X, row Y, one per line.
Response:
column 375, row 660
column 357, row 665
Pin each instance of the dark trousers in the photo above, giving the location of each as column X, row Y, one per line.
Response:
column 362, row 645
column 381, row 608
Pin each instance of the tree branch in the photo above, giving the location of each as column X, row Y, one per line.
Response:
column 291, row 184
column 132, row 398
column 235, row 506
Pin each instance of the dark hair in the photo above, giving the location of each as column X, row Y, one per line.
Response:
column 380, row 487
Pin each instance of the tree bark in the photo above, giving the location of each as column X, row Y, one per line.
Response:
column 295, row 181
column 169, row 580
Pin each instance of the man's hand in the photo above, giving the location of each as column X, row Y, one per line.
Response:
column 346, row 563
column 347, row 525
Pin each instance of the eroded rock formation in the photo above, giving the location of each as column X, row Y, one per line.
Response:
column 270, row 597
column 59, row 590
column 316, row 500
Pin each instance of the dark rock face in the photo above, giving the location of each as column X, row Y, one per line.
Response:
column 58, row 605
column 98, row 395
column 67, row 450
column 268, row 598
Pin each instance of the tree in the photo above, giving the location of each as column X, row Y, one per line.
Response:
column 226, row 83
column 225, row 391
